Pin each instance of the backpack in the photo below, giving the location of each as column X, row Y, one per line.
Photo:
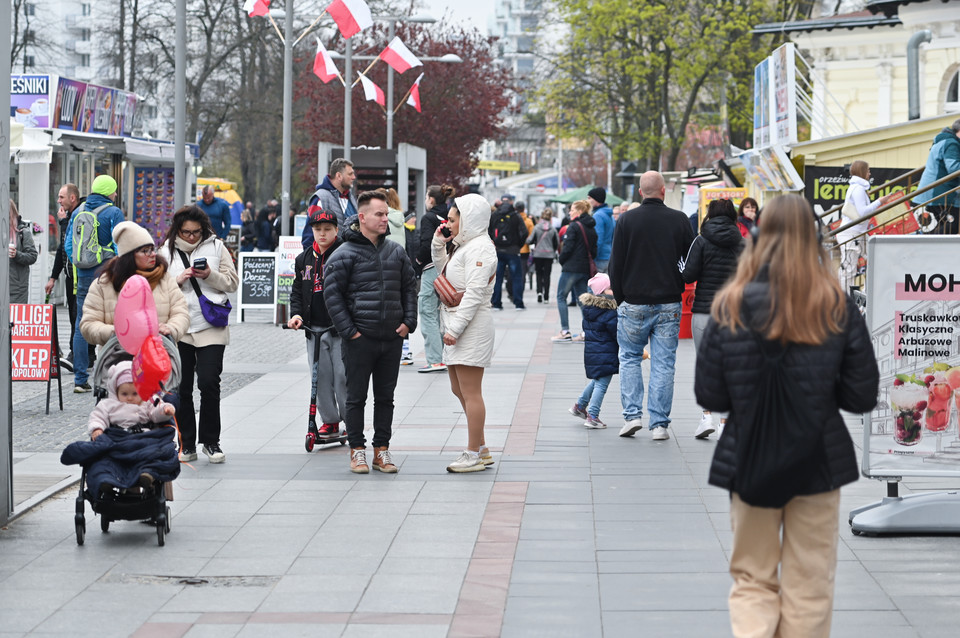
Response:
column 505, row 231
column 547, row 241
column 87, row 251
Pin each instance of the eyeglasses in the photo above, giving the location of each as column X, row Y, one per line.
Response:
column 191, row 233
column 146, row 251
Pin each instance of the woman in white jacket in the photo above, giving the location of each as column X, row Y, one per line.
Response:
column 470, row 267
column 856, row 205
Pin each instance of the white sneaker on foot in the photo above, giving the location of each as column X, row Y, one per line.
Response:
column 660, row 434
column 594, row 423
column 705, row 428
column 467, row 462
column 631, row 427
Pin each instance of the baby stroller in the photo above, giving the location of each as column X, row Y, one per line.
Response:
column 113, row 503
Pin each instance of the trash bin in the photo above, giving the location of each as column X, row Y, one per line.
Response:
column 686, row 312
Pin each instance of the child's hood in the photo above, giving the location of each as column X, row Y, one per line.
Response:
column 119, row 374
column 604, row 302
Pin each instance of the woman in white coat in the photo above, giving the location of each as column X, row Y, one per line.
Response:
column 468, row 259
column 856, row 205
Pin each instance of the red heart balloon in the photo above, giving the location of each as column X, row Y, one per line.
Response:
column 151, row 367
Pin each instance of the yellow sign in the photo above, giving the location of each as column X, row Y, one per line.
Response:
column 707, row 195
column 495, row 165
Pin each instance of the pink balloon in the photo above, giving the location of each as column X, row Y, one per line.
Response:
column 135, row 317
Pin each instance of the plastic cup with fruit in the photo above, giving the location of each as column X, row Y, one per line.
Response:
column 909, row 399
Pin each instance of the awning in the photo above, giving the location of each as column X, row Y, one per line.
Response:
column 581, row 193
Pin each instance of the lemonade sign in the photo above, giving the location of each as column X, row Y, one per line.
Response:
column 913, row 313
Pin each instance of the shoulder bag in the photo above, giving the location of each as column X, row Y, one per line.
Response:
column 449, row 296
column 217, row 315
column 586, row 244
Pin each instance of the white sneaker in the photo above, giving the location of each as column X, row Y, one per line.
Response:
column 467, row 462
column 705, row 428
column 214, row 453
column 631, row 427
column 660, row 434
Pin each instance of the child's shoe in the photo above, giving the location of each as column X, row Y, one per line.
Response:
column 329, row 431
column 594, row 423
column 579, row 412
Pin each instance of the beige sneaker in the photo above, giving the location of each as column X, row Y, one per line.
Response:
column 485, row 455
column 382, row 460
column 358, row 461
column 467, row 462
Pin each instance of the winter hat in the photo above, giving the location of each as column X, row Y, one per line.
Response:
column 599, row 283
column 598, row 194
column 119, row 374
column 128, row 236
column 104, row 185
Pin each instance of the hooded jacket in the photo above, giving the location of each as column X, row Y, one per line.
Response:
column 712, row 259
column 603, row 216
column 395, row 230
column 839, row 374
column 112, row 411
column 575, row 254
column 426, row 228
column 305, row 300
column 944, row 158
column 600, row 348
column 20, row 265
column 470, row 269
column 108, row 218
column 328, row 198
column 370, row 288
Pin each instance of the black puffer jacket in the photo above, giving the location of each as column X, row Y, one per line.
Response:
column 426, row 228
column 839, row 374
column 711, row 260
column 573, row 253
column 370, row 289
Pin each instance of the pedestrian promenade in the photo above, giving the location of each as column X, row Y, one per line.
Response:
column 572, row 532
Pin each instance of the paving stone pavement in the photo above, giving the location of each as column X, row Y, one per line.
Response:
column 572, row 532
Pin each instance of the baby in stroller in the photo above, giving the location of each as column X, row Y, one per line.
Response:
column 123, row 407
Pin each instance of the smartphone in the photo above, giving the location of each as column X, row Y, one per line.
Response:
column 444, row 231
column 200, row 263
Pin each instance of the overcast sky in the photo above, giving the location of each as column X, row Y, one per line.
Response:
column 473, row 11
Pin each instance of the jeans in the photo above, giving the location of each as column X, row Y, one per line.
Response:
column 504, row 261
column 207, row 364
column 364, row 358
column 542, row 266
column 81, row 355
column 601, row 264
column 429, row 306
column 636, row 324
column 575, row 281
column 592, row 395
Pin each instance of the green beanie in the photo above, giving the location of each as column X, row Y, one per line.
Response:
column 104, row 185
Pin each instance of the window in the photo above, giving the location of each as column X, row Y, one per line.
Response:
column 29, row 61
column 85, row 8
column 29, row 9
column 29, row 35
column 952, row 97
column 85, row 59
column 524, row 44
column 85, row 34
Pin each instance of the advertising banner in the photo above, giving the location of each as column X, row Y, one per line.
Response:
column 287, row 252
column 826, row 186
column 30, row 100
column 90, row 108
column 31, row 338
column 707, row 195
column 913, row 314
column 784, row 78
column 761, row 104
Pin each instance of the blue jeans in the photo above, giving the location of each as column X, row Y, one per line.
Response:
column 575, row 281
column 429, row 306
column 81, row 357
column 504, row 261
column 660, row 324
column 601, row 264
column 592, row 395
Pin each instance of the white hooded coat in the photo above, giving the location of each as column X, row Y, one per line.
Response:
column 470, row 269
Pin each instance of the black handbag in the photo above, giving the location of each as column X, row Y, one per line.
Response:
column 217, row 315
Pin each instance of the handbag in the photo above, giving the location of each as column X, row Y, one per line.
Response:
column 780, row 446
column 586, row 243
column 217, row 315
column 449, row 296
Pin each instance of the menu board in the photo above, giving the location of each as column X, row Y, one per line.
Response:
column 258, row 281
column 153, row 205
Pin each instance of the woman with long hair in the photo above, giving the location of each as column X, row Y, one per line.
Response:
column 747, row 215
column 202, row 265
column 784, row 305
column 469, row 266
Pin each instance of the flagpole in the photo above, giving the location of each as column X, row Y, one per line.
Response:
column 310, row 28
column 403, row 100
column 274, row 23
column 364, row 72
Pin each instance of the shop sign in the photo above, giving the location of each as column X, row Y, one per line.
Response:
column 31, row 338
column 826, row 186
column 90, row 108
column 30, row 100
column 707, row 195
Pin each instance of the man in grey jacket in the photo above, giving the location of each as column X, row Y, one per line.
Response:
column 334, row 195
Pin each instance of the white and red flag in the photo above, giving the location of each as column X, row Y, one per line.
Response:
column 351, row 16
column 399, row 56
column 414, row 99
column 323, row 65
column 372, row 92
column 256, row 8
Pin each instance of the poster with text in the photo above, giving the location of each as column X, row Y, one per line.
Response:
column 913, row 314
column 287, row 252
column 761, row 104
column 30, row 100
column 31, row 339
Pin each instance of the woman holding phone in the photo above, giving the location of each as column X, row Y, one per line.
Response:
column 202, row 265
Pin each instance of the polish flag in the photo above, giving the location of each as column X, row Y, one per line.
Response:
column 399, row 57
column 256, row 8
column 414, row 99
column 351, row 16
column 372, row 92
column 323, row 65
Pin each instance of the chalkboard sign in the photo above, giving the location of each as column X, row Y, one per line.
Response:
column 258, row 281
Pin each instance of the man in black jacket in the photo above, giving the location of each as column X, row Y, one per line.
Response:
column 371, row 295
column 649, row 244
column 509, row 234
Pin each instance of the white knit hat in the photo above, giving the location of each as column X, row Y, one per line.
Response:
column 129, row 236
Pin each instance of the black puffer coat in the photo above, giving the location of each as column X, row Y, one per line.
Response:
column 426, row 228
column 370, row 289
column 711, row 260
column 573, row 253
column 839, row 374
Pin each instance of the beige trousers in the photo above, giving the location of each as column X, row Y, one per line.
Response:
column 799, row 602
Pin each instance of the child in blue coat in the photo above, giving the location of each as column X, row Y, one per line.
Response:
column 600, row 350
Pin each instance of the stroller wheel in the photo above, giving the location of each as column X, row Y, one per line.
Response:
column 81, row 524
column 310, row 441
column 104, row 524
column 166, row 525
column 161, row 528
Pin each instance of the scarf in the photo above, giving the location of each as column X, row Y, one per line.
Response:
column 153, row 276
column 184, row 245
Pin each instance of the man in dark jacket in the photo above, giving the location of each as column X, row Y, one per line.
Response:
column 509, row 234
column 649, row 245
column 579, row 247
column 371, row 294
column 334, row 195
column 944, row 159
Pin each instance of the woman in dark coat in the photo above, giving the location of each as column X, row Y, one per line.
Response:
column 785, row 298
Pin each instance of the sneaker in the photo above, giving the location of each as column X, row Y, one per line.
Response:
column 214, row 453
column 578, row 412
column 433, row 367
column 631, row 427
column 705, row 428
column 563, row 337
column 66, row 364
column 467, row 462
column 521, row 307
column 660, row 433
column 188, row 454
column 578, row 339
column 406, row 360
column 485, row 455
column 539, row 297
column 382, row 460
column 329, row 431
column 594, row 423
column 82, row 388
column 358, row 461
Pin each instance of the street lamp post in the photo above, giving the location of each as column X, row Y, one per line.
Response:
column 287, row 224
